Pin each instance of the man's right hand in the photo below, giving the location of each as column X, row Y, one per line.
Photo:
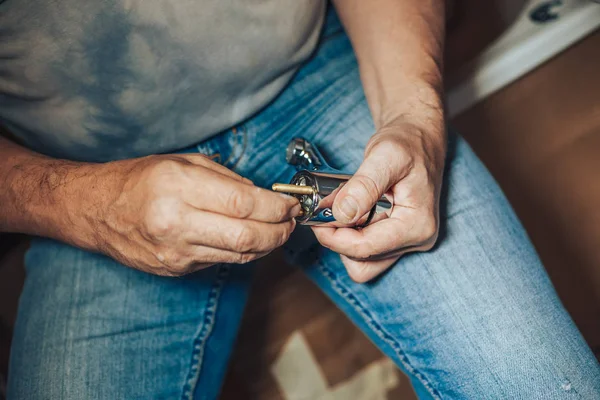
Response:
column 175, row 214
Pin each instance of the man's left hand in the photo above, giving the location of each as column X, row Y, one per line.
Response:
column 405, row 162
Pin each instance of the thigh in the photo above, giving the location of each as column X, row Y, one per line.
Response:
column 90, row 328
column 476, row 317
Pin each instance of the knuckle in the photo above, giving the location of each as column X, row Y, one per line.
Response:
column 283, row 235
column 158, row 227
column 362, row 252
column 324, row 240
column 289, row 229
column 359, row 273
column 175, row 273
column 368, row 184
column 245, row 258
column 240, row 204
column 162, row 218
column 245, row 240
column 280, row 211
column 175, row 263
column 164, row 170
column 428, row 232
column 397, row 148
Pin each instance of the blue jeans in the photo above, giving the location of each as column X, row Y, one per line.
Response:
column 475, row 318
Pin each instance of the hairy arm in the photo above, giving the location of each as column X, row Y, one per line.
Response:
column 162, row 214
column 399, row 45
column 40, row 195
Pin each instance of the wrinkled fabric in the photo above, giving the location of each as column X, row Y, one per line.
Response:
column 110, row 79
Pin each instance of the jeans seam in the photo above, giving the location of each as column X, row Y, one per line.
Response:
column 377, row 328
column 207, row 150
column 238, row 131
column 206, row 328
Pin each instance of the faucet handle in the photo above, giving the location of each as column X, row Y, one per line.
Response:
column 303, row 155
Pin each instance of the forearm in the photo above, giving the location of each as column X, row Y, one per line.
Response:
column 399, row 46
column 41, row 196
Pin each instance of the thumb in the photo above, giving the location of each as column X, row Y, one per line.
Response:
column 375, row 176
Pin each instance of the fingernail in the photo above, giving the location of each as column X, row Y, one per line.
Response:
column 348, row 208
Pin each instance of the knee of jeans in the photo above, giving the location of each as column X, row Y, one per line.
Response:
column 525, row 374
column 465, row 333
column 59, row 276
column 85, row 319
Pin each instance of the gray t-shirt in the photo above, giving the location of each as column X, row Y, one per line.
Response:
column 111, row 79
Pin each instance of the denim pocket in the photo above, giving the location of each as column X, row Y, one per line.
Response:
column 226, row 148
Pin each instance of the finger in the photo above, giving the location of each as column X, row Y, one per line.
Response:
column 364, row 271
column 205, row 161
column 201, row 257
column 242, row 236
column 167, row 270
column 381, row 238
column 204, row 255
column 383, row 167
column 223, row 195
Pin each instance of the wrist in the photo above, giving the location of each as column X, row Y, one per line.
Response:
column 420, row 137
column 421, row 104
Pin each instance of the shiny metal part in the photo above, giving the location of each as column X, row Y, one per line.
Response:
column 304, row 155
column 316, row 184
column 292, row 189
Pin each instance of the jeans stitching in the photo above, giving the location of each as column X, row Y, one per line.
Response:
column 377, row 328
column 208, row 323
column 239, row 132
column 231, row 158
column 206, row 149
column 233, row 131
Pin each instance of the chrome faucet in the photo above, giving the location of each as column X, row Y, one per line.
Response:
column 316, row 184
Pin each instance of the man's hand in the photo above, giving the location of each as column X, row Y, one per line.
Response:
column 399, row 46
column 405, row 163
column 166, row 214
column 172, row 215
